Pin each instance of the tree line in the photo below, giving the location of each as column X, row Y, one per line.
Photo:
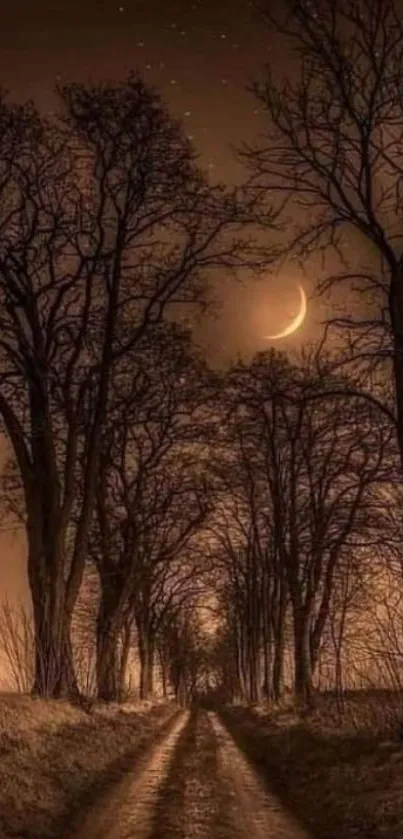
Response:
column 106, row 223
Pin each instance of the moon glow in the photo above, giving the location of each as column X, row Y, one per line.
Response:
column 296, row 322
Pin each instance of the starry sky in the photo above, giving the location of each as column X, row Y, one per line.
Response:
column 200, row 55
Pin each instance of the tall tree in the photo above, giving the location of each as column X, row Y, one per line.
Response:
column 312, row 472
column 151, row 498
column 105, row 220
column 333, row 149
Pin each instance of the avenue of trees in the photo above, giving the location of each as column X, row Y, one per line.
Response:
column 105, row 223
column 300, row 486
column 275, row 486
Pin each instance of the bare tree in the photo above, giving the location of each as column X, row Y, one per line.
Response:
column 152, row 497
column 334, row 149
column 310, row 492
column 246, row 533
column 105, row 221
column 185, row 651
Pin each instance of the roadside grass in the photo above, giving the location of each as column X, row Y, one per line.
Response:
column 55, row 758
column 339, row 772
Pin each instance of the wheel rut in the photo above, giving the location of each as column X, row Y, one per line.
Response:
column 127, row 811
column 195, row 784
column 248, row 808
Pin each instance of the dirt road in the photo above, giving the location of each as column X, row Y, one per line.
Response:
column 196, row 784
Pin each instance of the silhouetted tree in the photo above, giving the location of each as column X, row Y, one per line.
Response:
column 151, row 499
column 334, row 150
column 105, row 221
column 312, row 473
column 184, row 651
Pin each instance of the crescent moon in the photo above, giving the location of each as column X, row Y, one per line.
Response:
column 296, row 322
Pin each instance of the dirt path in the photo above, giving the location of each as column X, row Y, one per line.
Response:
column 249, row 809
column 188, row 804
column 127, row 813
column 195, row 785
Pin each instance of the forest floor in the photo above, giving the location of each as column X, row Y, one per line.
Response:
column 55, row 756
column 339, row 772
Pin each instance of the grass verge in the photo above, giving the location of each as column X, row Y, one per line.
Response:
column 338, row 775
column 55, row 759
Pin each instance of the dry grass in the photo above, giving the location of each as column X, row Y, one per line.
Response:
column 339, row 773
column 55, row 757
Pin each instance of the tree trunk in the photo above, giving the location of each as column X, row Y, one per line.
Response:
column 267, row 641
column 278, row 664
column 253, row 655
column 267, row 684
column 302, row 658
column 164, row 666
column 109, row 627
column 164, row 680
column 124, row 659
column 181, row 692
column 54, row 674
column 243, row 663
column 253, row 669
column 279, row 641
column 396, row 317
column 67, row 686
column 150, row 664
column 240, row 660
column 146, row 659
column 107, row 664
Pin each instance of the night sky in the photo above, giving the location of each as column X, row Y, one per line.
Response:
column 200, row 56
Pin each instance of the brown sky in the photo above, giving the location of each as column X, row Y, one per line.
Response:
column 200, row 55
